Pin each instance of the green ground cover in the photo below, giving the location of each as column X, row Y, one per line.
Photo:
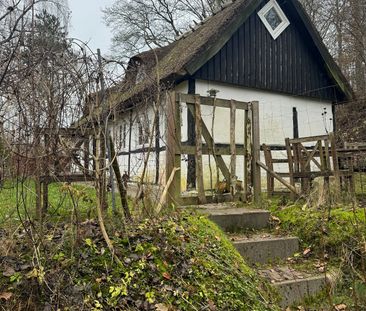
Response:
column 336, row 242
column 177, row 262
column 17, row 200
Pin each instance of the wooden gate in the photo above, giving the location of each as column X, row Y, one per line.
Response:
column 248, row 149
column 307, row 158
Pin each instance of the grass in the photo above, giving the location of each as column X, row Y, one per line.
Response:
column 19, row 200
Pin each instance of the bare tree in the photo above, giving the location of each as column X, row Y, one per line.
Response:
column 140, row 24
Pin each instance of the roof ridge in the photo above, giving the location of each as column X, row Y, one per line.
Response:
column 197, row 25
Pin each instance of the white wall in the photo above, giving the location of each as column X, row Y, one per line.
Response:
column 276, row 123
column 275, row 115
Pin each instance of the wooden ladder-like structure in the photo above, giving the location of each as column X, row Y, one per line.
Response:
column 307, row 159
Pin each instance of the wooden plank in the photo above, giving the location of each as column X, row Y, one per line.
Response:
column 278, row 177
column 269, row 164
column 276, row 161
column 335, row 163
column 290, row 162
column 68, row 178
column 173, row 158
column 296, row 158
column 311, row 156
column 310, row 175
column 209, row 101
column 246, row 153
column 321, row 156
column 199, row 164
column 206, row 150
column 326, row 153
column 256, row 152
column 308, row 139
column 209, row 141
column 232, row 148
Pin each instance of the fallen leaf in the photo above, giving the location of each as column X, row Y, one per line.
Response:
column 5, row 295
column 161, row 307
column 341, row 307
column 9, row 271
column 167, row 276
column 307, row 251
column 276, row 219
column 211, row 305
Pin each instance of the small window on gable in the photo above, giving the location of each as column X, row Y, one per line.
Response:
column 273, row 18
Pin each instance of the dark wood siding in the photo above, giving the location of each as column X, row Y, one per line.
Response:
column 290, row 64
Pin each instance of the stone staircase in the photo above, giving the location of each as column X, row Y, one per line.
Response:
column 267, row 253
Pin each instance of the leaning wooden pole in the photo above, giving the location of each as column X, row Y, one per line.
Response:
column 121, row 187
column 173, row 157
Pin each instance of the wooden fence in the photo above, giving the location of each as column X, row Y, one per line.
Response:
column 307, row 159
column 205, row 145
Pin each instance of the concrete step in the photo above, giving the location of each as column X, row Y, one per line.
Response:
column 294, row 286
column 265, row 248
column 235, row 219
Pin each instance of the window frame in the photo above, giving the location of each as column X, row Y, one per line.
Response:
column 275, row 33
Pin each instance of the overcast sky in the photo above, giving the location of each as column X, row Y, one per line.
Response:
column 87, row 23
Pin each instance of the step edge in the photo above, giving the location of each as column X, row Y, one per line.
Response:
column 305, row 279
column 250, row 241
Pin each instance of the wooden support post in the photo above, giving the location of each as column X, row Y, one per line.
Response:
column 246, row 154
column 333, row 148
column 199, row 165
column 233, row 177
column 290, row 164
column 256, row 152
column 305, row 182
column 269, row 164
column 173, row 157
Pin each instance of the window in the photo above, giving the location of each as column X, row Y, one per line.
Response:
column 273, row 18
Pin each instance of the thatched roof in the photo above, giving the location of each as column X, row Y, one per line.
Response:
column 192, row 50
column 181, row 58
